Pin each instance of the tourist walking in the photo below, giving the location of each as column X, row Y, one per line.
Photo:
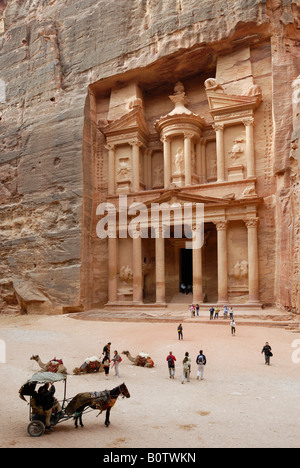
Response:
column 233, row 327
column 106, row 359
column 106, row 350
column 106, row 365
column 171, row 364
column 267, row 351
column 116, row 363
column 186, row 369
column 201, row 363
column 180, row 332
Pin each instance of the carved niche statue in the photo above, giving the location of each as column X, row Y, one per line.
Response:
column 238, row 149
column 178, row 161
column 124, row 169
column 126, row 274
column 158, row 176
column 240, row 272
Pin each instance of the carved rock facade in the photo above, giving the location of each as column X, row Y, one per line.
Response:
column 86, row 116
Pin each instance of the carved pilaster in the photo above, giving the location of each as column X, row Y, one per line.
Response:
column 252, row 225
column 219, row 128
column 222, row 226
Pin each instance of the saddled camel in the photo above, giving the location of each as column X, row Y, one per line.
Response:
column 142, row 359
column 102, row 401
column 89, row 366
column 55, row 365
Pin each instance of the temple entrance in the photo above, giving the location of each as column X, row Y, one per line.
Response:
column 186, row 268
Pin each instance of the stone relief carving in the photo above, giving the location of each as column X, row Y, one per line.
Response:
column 178, row 162
column 240, row 272
column 238, row 149
column 123, row 171
column 212, row 85
column 249, row 192
column 212, row 168
column 158, row 176
column 254, row 90
column 126, row 274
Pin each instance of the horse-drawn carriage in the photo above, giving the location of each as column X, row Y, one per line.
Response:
column 72, row 408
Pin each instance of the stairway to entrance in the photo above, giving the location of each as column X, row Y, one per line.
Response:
column 180, row 298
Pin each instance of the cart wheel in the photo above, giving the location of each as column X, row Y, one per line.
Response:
column 36, row 429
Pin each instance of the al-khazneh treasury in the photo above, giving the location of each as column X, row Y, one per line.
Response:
column 189, row 107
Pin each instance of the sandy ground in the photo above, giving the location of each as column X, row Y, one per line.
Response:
column 241, row 402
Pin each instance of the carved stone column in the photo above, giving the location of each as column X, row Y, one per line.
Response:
column 199, row 160
column 148, row 169
column 160, row 266
column 249, row 124
column 204, row 166
column 167, row 161
column 222, row 262
column 219, row 128
column 111, row 169
column 135, row 165
column 188, row 157
column 137, row 269
column 112, row 270
column 197, row 267
column 252, row 225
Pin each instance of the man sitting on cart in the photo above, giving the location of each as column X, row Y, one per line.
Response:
column 43, row 402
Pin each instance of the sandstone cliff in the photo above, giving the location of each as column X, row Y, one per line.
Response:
column 51, row 51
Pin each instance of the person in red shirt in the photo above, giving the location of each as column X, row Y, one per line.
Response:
column 171, row 364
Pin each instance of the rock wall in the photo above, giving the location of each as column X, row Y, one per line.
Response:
column 51, row 51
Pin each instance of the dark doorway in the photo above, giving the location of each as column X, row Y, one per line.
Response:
column 186, row 262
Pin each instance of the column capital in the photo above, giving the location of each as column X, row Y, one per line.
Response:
column 249, row 122
column 221, row 225
column 135, row 142
column 110, row 147
column 252, row 222
column 188, row 135
column 165, row 138
column 218, row 127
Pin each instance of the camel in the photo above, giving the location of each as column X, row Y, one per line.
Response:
column 102, row 401
column 90, row 365
column 55, row 365
column 142, row 359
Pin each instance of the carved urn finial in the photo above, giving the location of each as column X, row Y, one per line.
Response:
column 179, row 99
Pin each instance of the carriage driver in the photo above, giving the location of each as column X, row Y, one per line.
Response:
column 44, row 403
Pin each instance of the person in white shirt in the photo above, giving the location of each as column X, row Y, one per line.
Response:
column 186, row 370
column 233, row 327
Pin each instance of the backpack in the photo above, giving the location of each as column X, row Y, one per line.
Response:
column 170, row 361
column 200, row 359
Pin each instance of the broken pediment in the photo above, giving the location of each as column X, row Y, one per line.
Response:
column 133, row 121
column 221, row 103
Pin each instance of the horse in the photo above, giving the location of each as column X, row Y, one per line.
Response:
column 102, row 401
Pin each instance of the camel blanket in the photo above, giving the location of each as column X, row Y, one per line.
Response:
column 54, row 364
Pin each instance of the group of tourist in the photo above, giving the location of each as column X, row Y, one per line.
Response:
column 186, row 366
column 214, row 313
column 106, row 361
column 201, row 360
